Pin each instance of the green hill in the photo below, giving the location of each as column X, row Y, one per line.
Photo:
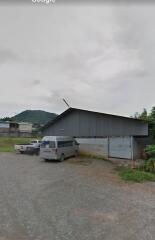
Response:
column 34, row 116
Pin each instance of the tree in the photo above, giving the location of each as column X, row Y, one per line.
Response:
column 152, row 115
column 144, row 116
column 148, row 118
column 5, row 119
column 136, row 115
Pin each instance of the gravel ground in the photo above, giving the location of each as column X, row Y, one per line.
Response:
column 77, row 199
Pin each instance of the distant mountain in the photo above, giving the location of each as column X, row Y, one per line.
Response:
column 34, row 116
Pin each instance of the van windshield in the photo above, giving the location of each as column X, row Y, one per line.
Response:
column 48, row 144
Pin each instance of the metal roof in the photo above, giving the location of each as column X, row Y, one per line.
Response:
column 77, row 109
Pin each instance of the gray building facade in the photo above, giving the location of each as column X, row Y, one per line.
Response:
column 99, row 133
column 14, row 129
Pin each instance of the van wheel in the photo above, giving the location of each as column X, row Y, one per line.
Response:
column 62, row 157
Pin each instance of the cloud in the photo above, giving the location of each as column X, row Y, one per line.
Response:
column 98, row 57
column 7, row 55
column 36, row 82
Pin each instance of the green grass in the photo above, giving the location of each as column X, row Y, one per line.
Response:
column 135, row 175
column 7, row 143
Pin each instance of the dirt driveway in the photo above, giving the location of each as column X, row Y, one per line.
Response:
column 77, row 199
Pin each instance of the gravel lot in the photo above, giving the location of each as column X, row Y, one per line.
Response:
column 78, row 199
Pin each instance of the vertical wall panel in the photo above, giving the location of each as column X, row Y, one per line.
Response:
column 120, row 147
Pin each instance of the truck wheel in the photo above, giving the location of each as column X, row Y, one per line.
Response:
column 38, row 152
column 62, row 158
column 76, row 153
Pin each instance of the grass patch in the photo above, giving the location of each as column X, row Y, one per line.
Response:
column 7, row 149
column 92, row 156
column 135, row 175
column 7, row 143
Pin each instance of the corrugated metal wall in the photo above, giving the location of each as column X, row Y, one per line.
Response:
column 121, row 147
column 88, row 124
column 95, row 146
column 114, row 147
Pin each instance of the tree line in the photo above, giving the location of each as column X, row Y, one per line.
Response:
column 148, row 117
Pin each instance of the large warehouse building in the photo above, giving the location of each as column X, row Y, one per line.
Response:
column 100, row 133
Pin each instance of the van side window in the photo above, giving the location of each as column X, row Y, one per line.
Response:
column 65, row 144
column 50, row 144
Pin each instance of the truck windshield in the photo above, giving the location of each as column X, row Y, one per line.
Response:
column 48, row 144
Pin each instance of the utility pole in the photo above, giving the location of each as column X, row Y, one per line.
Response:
column 66, row 103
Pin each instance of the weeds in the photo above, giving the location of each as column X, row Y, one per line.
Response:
column 135, row 175
column 93, row 156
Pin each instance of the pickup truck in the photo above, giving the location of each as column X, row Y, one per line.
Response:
column 33, row 147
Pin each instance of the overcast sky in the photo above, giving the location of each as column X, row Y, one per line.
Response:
column 97, row 57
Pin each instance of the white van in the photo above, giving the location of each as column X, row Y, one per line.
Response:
column 58, row 147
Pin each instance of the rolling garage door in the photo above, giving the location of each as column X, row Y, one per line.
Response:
column 120, row 147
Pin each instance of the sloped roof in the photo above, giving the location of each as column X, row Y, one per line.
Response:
column 77, row 109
